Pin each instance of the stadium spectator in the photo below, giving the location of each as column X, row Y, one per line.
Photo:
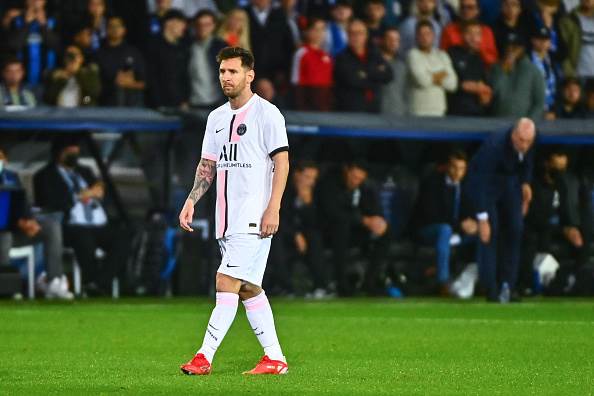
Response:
column 121, row 67
column 33, row 36
column 203, row 68
column 12, row 89
column 97, row 21
column 299, row 236
column 510, row 21
column 312, row 74
column 408, row 35
column 272, row 42
column 65, row 186
column 360, row 72
column 452, row 33
column 293, row 18
column 167, row 71
column 154, row 20
column 393, row 93
column 352, row 217
column 336, row 35
column 315, row 8
column 430, row 73
column 30, row 229
column 518, row 85
column 570, row 104
column 191, row 7
column 540, row 56
column 375, row 13
column 546, row 15
column 556, row 217
column 265, row 89
column 73, row 85
column 444, row 215
column 499, row 180
column 83, row 39
column 577, row 30
column 473, row 94
column 235, row 29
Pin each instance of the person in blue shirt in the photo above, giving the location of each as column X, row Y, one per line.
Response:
column 499, row 180
column 33, row 36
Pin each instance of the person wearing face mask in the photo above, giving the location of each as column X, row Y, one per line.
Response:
column 556, row 218
column 29, row 229
column 65, row 186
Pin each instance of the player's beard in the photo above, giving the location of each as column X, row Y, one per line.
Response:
column 235, row 92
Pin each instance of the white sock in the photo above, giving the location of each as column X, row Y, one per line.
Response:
column 220, row 320
column 259, row 315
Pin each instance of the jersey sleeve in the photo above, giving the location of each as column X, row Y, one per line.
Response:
column 209, row 148
column 276, row 135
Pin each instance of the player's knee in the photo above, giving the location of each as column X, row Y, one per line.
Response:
column 248, row 291
column 225, row 283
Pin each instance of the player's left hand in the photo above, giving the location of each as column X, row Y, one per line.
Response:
column 269, row 223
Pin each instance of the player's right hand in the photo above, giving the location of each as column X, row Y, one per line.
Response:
column 186, row 215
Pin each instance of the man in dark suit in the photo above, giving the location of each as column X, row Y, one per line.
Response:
column 499, row 179
column 359, row 72
column 444, row 215
column 557, row 215
column 66, row 186
column 272, row 42
column 350, row 208
column 299, row 236
column 29, row 229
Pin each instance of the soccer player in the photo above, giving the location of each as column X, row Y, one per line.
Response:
column 246, row 145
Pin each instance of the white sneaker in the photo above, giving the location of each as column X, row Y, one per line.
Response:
column 56, row 289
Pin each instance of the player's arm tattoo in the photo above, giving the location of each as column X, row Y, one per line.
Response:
column 205, row 173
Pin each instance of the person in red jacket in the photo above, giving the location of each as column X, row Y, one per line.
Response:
column 452, row 33
column 313, row 70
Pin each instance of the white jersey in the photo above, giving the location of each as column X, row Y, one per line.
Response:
column 243, row 142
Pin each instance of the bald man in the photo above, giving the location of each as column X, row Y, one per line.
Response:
column 499, row 180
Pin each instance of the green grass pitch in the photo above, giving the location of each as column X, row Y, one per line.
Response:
column 339, row 347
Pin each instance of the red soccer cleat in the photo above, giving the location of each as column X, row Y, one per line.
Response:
column 197, row 366
column 268, row 366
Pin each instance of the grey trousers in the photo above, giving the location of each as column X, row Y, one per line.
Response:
column 50, row 236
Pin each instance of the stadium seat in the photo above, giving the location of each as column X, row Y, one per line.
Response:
column 26, row 252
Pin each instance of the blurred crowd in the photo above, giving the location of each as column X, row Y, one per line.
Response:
column 356, row 229
column 507, row 58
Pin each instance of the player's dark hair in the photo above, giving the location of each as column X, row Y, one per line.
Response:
column 423, row 23
column 247, row 59
column 458, row 155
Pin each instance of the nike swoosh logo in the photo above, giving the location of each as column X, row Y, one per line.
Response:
column 232, row 266
column 219, row 130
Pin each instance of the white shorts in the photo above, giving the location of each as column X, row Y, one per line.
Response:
column 244, row 257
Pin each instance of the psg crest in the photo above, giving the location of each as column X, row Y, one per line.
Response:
column 241, row 129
